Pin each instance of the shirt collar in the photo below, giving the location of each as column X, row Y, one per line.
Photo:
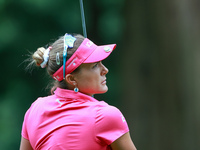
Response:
column 70, row 94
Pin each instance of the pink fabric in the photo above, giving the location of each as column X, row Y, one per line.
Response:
column 72, row 121
column 88, row 52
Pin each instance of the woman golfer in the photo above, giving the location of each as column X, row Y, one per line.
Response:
column 70, row 118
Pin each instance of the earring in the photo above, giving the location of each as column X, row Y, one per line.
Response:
column 76, row 89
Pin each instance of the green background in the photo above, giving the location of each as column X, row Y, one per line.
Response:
column 154, row 73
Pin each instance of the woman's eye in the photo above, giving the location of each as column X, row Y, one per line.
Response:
column 95, row 65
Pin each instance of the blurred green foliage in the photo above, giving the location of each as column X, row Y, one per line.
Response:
column 26, row 25
column 153, row 73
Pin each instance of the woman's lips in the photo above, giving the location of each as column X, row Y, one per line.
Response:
column 104, row 82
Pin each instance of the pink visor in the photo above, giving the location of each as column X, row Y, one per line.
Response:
column 87, row 52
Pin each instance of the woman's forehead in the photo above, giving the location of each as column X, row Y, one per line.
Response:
column 86, row 65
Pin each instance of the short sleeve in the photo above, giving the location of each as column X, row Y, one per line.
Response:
column 110, row 124
column 24, row 132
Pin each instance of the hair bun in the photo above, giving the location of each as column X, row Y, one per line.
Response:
column 38, row 56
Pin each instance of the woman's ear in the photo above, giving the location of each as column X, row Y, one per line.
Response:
column 70, row 79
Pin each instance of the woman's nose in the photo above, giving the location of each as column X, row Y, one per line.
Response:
column 104, row 70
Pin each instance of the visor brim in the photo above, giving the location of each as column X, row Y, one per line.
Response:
column 100, row 53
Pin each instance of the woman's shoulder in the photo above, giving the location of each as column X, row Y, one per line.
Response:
column 106, row 108
column 110, row 124
column 108, row 112
column 41, row 101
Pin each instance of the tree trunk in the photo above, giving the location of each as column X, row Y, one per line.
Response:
column 160, row 73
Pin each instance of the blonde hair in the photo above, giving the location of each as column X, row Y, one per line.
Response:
column 57, row 48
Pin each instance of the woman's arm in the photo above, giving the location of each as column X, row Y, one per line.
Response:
column 25, row 144
column 123, row 143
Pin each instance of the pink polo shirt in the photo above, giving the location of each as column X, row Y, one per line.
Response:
column 72, row 121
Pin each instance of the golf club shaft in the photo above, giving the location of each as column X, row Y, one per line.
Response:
column 83, row 19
